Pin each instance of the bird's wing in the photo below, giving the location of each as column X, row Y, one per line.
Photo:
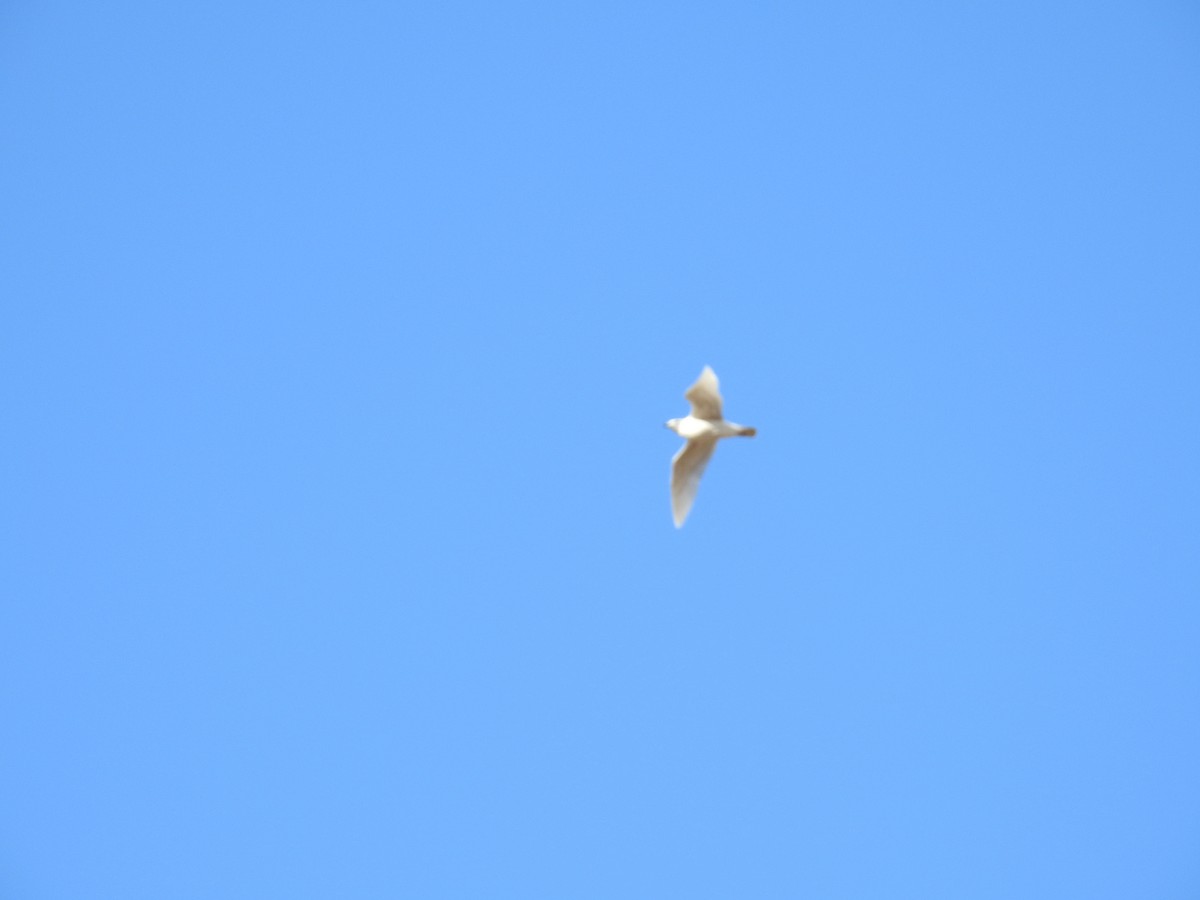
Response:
column 686, row 469
column 705, row 396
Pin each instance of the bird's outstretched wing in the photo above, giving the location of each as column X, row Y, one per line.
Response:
column 705, row 396
column 686, row 468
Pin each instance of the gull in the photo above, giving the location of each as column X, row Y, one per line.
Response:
column 701, row 428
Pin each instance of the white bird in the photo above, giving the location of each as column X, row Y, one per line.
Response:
column 701, row 428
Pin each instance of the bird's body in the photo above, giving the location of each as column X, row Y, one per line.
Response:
column 701, row 428
column 690, row 428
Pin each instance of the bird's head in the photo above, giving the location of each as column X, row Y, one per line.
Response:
column 673, row 424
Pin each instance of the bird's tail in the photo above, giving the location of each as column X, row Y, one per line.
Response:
column 747, row 432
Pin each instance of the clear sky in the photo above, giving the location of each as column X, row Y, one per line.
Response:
column 336, row 347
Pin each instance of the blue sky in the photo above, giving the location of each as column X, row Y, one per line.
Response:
column 337, row 553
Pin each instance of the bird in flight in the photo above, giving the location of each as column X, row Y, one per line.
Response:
column 701, row 428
